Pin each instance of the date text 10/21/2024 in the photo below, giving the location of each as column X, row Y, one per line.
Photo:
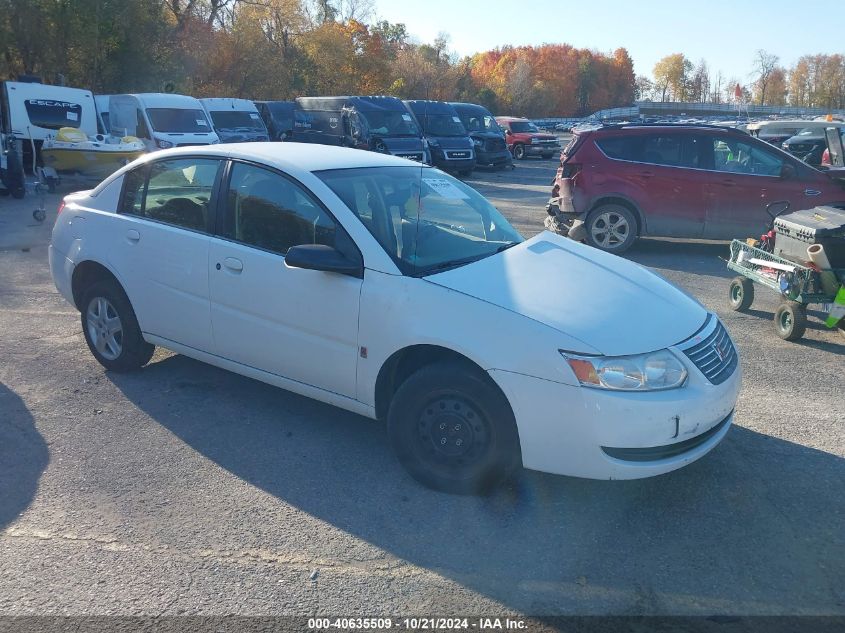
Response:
column 416, row 624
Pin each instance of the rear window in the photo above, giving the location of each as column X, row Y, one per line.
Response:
column 618, row 147
column 53, row 115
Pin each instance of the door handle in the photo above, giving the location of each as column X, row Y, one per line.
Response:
column 235, row 265
column 728, row 182
column 132, row 235
column 812, row 192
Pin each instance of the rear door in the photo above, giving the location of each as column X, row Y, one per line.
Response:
column 296, row 323
column 662, row 171
column 160, row 247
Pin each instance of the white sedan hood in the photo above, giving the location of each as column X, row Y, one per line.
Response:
column 609, row 303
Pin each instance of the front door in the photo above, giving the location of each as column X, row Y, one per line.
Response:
column 746, row 177
column 296, row 323
column 160, row 247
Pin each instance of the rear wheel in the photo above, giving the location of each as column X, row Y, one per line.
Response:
column 790, row 320
column 741, row 293
column 611, row 227
column 519, row 151
column 453, row 430
column 111, row 329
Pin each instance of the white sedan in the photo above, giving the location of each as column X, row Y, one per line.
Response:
column 398, row 292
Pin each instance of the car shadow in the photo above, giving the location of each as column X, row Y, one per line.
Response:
column 736, row 530
column 23, row 456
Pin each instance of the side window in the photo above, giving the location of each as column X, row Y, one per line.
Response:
column 270, row 212
column 672, row 150
column 175, row 192
column 141, row 126
column 618, row 147
column 735, row 156
column 134, row 182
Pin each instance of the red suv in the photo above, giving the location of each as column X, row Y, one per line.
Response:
column 525, row 139
column 618, row 182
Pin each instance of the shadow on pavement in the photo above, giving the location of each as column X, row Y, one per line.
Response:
column 23, row 456
column 735, row 532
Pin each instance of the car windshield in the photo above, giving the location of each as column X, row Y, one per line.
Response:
column 237, row 120
column 178, row 120
column 390, row 123
column 523, row 126
column 424, row 219
column 442, row 125
column 479, row 121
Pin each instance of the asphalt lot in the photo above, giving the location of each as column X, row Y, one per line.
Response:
column 183, row 489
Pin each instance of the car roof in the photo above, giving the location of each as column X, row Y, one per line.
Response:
column 292, row 157
column 651, row 127
column 510, row 118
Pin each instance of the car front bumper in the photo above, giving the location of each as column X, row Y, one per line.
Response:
column 600, row 434
column 496, row 158
column 541, row 150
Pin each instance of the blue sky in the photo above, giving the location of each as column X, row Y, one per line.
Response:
column 725, row 33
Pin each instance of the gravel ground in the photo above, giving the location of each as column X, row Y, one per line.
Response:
column 183, row 489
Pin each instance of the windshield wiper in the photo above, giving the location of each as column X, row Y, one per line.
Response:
column 506, row 246
column 456, row 263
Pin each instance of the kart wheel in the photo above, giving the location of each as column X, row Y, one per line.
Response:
column 790, row 320
column 741, row 294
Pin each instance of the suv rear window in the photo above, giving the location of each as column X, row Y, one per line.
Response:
column 618, row 147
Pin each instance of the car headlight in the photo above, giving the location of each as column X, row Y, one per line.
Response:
column 476, row 142
column 639, row 372
column 533, row 140
column 433, row 142
column 164, row 144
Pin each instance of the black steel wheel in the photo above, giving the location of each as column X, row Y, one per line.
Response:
column 453, row 430
column 741, row 293
column 790, row 320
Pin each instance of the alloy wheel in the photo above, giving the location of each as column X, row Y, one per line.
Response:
column 105, row 328
column 610, row 229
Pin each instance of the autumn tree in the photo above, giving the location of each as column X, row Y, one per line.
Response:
column 670, row 76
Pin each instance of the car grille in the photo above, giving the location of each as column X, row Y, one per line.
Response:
column 459, row 154
column 417, row 156
column 189, row 144
column 494, row 144
column 714, row 354
column 548, row 141
column 800, row 147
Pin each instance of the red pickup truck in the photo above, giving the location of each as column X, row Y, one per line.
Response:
column 524, row 139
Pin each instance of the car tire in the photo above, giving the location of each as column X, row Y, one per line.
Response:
column 741, row 294
column 611, row 227
column 790, row 320
column 519, row 151
column 111, row 329
column 453, row 430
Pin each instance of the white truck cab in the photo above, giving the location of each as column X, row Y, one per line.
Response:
column 161, row 120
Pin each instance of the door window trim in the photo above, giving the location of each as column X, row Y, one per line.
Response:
column 787, row 158
column 213, row 201
column 220, row 209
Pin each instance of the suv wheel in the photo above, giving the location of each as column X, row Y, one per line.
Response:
column 611, row 227
column 111, row 329
column 452, row 430
column 519, row 151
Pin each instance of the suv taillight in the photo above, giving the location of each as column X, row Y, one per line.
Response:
column 569, row 170
column 61, row 207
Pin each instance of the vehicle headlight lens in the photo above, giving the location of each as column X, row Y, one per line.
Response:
column 164, row 144
column 476, row 142
column 533, row 140
column 641, row 372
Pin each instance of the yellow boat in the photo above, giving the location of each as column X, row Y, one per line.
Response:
column 72, row 152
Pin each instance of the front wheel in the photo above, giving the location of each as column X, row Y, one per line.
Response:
column 519, row 151
column 111, row 329
column 612, row 228
column 790, row 320
column 453, row 430
column 741, row 293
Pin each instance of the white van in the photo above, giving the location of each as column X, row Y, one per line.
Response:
column 161, row 120
column 235, row 120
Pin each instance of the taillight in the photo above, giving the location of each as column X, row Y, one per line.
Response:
column 569, row 170
column 61, row 207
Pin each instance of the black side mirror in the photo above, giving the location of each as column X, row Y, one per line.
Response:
column 324, row 258
column 787, row 172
